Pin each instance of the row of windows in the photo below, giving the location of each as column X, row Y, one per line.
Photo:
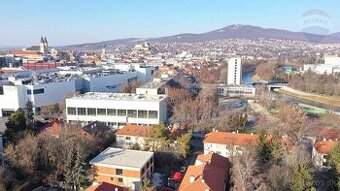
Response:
column 36, row 91
column 112, row 112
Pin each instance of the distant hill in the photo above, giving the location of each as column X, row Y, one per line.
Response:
column 228, row 32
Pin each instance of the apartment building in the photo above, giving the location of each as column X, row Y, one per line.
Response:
column 124, row 168
column 234, row 71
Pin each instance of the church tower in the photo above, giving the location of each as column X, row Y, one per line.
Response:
column 43, row 45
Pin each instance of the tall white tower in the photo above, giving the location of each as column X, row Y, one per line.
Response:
column 234, row 71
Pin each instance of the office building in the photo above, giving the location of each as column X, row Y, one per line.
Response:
column 117, row 109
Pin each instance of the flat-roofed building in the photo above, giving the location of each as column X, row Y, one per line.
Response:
column 117, row 109
column 125, row 168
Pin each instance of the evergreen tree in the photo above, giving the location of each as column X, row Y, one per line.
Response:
column 29, row 111
column 334, row 159
column 159, row 137
column 263, row 147
column 74, row 169
column 183, row 144
column 15, row 124
column 302, row 179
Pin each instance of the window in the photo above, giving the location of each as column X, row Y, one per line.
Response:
column 81, row 111
column 142, row 114
column 91, row 111
column 119, row 171
column 127, row 138
column 153, row 114
column 111, row 112
column 121, row 124
column 1, row 90
column 120, row 179
column 36, row 91
column 121, row 112
column 101, row 111
column 71, row 111
column 132, row 113
column 111, row 178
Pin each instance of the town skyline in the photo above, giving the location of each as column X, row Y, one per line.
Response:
column 66, row 25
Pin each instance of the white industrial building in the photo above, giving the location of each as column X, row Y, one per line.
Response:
column 236, row 91
column 331, row 66
column 234, row 71
column 117, row 109
column 53, row 87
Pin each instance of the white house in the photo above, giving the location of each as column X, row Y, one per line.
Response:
column 321, row 149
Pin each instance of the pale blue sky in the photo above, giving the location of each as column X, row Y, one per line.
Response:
column 22, row 22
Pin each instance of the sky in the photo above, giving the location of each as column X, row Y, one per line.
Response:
column 66, row 22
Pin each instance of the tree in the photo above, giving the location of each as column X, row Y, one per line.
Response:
column 302, row 178
column 334, row 159
column 183, row 144
column 243, row 170
column 263, row 147
column 159, row 136
column 74, row 169
column 29, row 111
column 15, row 125
column 146, row 185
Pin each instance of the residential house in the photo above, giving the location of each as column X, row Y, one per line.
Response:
column 209, row 173
column 124, row 168
column 320, row 151
column 231, row 144
column 132, row 135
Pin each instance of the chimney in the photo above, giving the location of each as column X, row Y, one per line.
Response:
column 202, row 177
column 324, row 139
column 116, row 189
column 237, row 131
column 192, row 179
column 233, row 132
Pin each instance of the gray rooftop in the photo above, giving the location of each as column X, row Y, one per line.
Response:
column 122, row 158
column 120, row 96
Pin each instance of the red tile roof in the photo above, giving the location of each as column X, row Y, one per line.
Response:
column 104, row 186
column 238, row 139
column 325, row 147
column 231, row 138
column 26, row 52
column 55, row 127
column 134, row 130
column 212, row 175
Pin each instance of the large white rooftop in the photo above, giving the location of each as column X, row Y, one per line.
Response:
column 122, row 158
column 120, row 96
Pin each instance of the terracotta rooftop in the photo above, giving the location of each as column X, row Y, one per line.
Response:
column 325, row 147
column 239, row 139
column 231, row 138
column 211, row 175
column 104, row 186
column 25, row 52
column 134, row 130
column 54, row 128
